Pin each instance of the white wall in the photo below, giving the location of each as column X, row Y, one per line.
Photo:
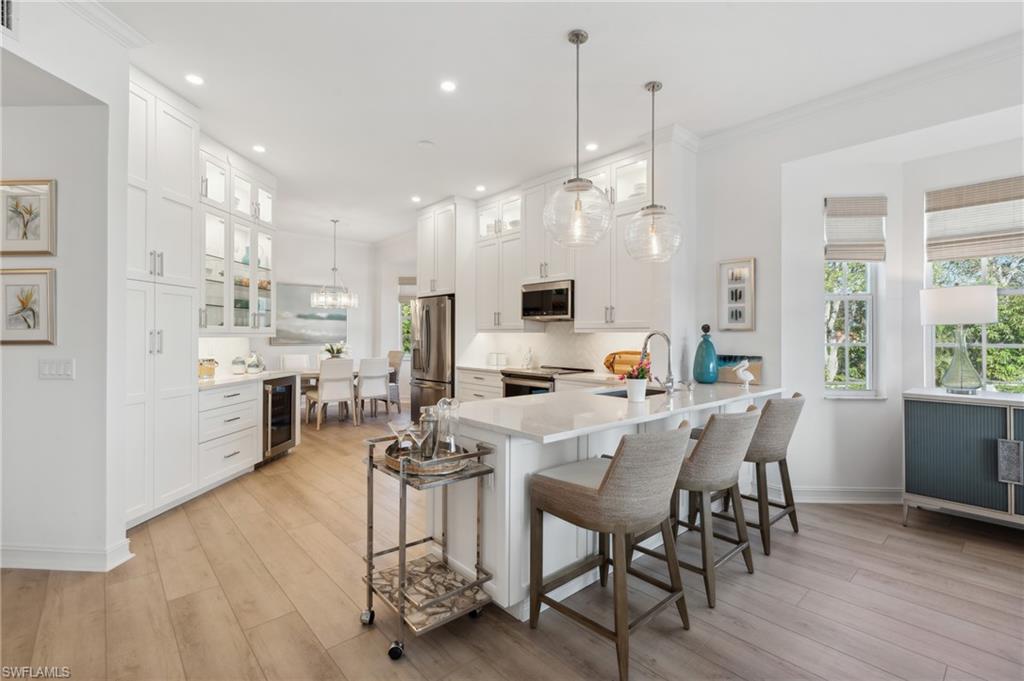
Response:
column 394, row 258
column 63, row 486
column 301, row 258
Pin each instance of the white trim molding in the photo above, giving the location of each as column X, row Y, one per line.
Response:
column 107, row 22
column 840, row 495
column 58, row 558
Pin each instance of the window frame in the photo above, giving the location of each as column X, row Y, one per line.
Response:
column 402, row 302
column 983, row 345
column 869, row 298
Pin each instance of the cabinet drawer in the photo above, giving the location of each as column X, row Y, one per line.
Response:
column 226, row 420
column 470, row 393
column 479, row 379
column 227, row 455
column 223, row 397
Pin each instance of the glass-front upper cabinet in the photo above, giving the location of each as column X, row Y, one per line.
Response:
column 214, row 270
column 632, row 184
column 213, row 184
column 511, row 215
column 242, row 195
column 601, row 177
column 241, row 279
column 488, row 221
column 264, row 281
column 265, row 205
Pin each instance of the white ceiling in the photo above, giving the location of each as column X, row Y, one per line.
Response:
column 340, row 93
column 25, row 84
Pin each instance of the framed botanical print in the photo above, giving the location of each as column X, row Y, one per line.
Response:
column 29, row 300
column 736, row 284
column 30, row 217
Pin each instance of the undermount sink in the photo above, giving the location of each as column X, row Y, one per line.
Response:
column 622, row 393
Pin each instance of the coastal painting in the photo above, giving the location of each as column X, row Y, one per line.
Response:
column 300, row 324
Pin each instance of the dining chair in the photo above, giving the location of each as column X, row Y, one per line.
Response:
column 395, row 358
column 299, row 363
column 335, row 384
column 372, row 383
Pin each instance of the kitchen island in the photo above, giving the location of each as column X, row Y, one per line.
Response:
column 535, row 432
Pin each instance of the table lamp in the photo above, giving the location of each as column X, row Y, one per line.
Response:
column 960, row 305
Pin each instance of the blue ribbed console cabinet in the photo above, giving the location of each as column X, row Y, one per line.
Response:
column 950, row 458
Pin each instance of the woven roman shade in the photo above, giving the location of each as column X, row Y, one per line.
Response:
column 406, row 289
column 855, row 228
column 976, row 221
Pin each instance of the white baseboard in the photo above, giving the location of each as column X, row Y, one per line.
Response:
column 840, row 495
column 57, row 558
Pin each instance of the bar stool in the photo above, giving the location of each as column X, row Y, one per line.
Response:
column 713, row 465
column 770, row 445
column 620, row 496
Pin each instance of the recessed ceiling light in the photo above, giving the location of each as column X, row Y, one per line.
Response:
column 591, row 146
column 481, row 188
column 415, row 199
column 448, row 85
column 259, row 148
column 426, row 145
column 194, row 78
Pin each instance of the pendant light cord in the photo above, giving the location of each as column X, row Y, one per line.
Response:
column 653, row 90
column 334, row 269
column 577, row 109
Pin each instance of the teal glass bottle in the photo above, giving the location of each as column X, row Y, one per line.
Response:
column 705, row 362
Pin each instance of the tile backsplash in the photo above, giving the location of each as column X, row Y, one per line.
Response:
column 558, row 346
column 223, row 349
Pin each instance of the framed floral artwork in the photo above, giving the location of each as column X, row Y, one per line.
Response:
column 30, row 217
column 29, row 301
column 736, row 282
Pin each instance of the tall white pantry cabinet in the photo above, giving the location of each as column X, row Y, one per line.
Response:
column 162, row 299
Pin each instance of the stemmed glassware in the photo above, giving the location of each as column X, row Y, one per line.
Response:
column 419, row 435
column 399, row 430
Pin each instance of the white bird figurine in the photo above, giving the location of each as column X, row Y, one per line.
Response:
column 742, row 374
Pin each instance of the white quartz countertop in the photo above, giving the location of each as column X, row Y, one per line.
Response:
column 992, row 397
column 556, row 416
column 221, row 380
column 483, row 369
column 596, row 378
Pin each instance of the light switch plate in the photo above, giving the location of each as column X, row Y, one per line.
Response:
column 57, row 369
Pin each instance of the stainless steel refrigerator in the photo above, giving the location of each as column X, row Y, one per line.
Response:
column 433, row 351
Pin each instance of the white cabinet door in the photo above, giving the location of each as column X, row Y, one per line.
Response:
column 213, row 181
column 243, row 195
column 511, row 215
column 559, row 262
column 488, row 277
column 534, row 239
column 138, row 413
column 265, row 205
column 216, row 302
column 141, row 137
column 176, row 393
column 632, row 282
column 263, row 280
column 510, row 285
column 488, row 221
column 425, row 254
column 632, row 187
column 593, row 285
column 444, row 250
column 173, row 230
column 175, row 239
column 240, row 288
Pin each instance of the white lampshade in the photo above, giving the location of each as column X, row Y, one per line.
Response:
column 959, row 305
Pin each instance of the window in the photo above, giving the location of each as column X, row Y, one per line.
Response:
column 997, row 350
column 405, row 324
column 849, row 326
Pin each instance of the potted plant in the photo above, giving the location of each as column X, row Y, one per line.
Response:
column 336, row 349
column 636, row 381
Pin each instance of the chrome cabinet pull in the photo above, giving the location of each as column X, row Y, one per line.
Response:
column 151, row 344
column 160, row 341
column 228, row 456
column 231, row 395
column 478, row 378
column 204, row 187
column 152, row 262
column 160, row 263
column 478, row 395
column 540, row 270
column 233, row 418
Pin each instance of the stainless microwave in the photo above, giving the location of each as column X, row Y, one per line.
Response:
column 548, row 301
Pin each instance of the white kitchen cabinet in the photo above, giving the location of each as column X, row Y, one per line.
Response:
column 488, row 284
column 213, row 180
column 499, row 276
column 162, row 396
column 613, row 290
column 593, row 266
column 215, row 293
column 435, row 250
column 243, row 197
column 542, row 257
column 501, row 216
column 265, row 204
column 162, row 242
column 239, row 293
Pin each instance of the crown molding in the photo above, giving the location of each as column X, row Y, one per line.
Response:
column 1008, row 47
column 675, row 134
column 107, row 22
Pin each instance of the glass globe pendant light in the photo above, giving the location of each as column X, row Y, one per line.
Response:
column 653, row 235
column 577, row 214
column 333, row 297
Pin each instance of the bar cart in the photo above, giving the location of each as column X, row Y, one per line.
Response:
column 425, row 592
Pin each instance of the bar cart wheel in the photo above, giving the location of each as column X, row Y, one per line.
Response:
column 475, row 614
column 396, row 650
column 366, row 617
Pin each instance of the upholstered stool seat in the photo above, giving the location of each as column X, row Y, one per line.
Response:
column 620, row 496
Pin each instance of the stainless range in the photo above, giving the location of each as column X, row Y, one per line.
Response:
column 533, row 381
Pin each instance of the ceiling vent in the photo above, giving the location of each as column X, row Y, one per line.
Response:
column 7, row 14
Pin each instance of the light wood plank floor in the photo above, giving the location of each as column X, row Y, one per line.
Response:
column 261, row 579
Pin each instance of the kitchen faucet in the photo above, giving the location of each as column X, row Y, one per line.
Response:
column 670, row 383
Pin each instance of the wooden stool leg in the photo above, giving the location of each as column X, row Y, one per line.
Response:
column 741, row 525
column 621, row 604
column 725, row 502
column 536, row 563
column 707, row 548
column 691, row 511
column 674, row 576
column 763, row 510
column 787, row 491
column 602, row 547
column 629, row 550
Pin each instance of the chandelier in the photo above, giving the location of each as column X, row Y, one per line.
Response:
column 334, row 297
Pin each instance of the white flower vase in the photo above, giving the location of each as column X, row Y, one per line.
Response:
column 636, row 389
